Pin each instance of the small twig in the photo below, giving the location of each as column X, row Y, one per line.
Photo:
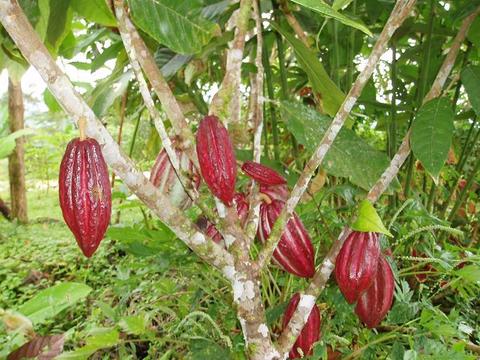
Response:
column 293, row 22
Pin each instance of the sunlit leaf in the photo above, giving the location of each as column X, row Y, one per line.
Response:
column 432, row 133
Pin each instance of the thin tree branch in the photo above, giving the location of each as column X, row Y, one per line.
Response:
column 15, row 22
column 398, row 15
column 293, row 22
column 226, row 102
column 127, row 35
column 156, row 79
column 257, row 121
column 323, row 273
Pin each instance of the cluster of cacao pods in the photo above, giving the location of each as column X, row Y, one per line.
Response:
column 85, row 193
column 364, row 276
column 294, row 252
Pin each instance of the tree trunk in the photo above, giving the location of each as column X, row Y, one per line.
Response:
column 16, row 161
column 4, row 210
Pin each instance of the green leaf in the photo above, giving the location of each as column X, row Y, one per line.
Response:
column 368, row 220
column 51, row 102
column 349, row 156
column 432, row 133
column 323, row 8
column 49, row 302
column 59, row 23
column 332, row 97
column 470, row 274
column 95, row 11
column 135, row 325
column 7, row 143
column 174, row 23
column 471, row 82
column 100, row 338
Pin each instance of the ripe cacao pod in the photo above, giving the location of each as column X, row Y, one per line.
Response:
column 356, row 264
column 216, row 158
column 294, row 252
column 164, row 177
column 85, row 194
column 374, row 304
column 310, row 332
column 262, row 174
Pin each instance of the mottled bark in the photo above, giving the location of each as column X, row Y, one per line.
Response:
column 16, row 160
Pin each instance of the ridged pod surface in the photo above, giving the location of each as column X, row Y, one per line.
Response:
column 294, row 252
column 356, row 264
column 164, row 177
column 262, row 174
column 85, row 193
column 310, row 332
column 375, row 303
column 216, row 158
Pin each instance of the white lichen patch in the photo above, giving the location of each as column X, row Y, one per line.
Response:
column 229, row 240
column 305, row 305
column 350, row 103
column 198, row 239
column 263, row 329
column 249, row 290
column 327, row 267
column 229, row 272
column 222, row 211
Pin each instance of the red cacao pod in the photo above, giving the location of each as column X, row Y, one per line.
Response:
column 164, row 177
column 85, row 194
column 216, row 158
column 310, row 332
column 262, row 174
column 275, row 192
column 374, row 304
column 356, row 264
column 294, row 252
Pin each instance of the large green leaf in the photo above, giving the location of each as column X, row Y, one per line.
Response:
column 49, row 302
column 332, row 96
column 59, row 23
column 7, row 143
column 95, row 11
column 177, row 24
column 471, row 82
column 323, row 8
column 350, row 156
column 432, row 132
